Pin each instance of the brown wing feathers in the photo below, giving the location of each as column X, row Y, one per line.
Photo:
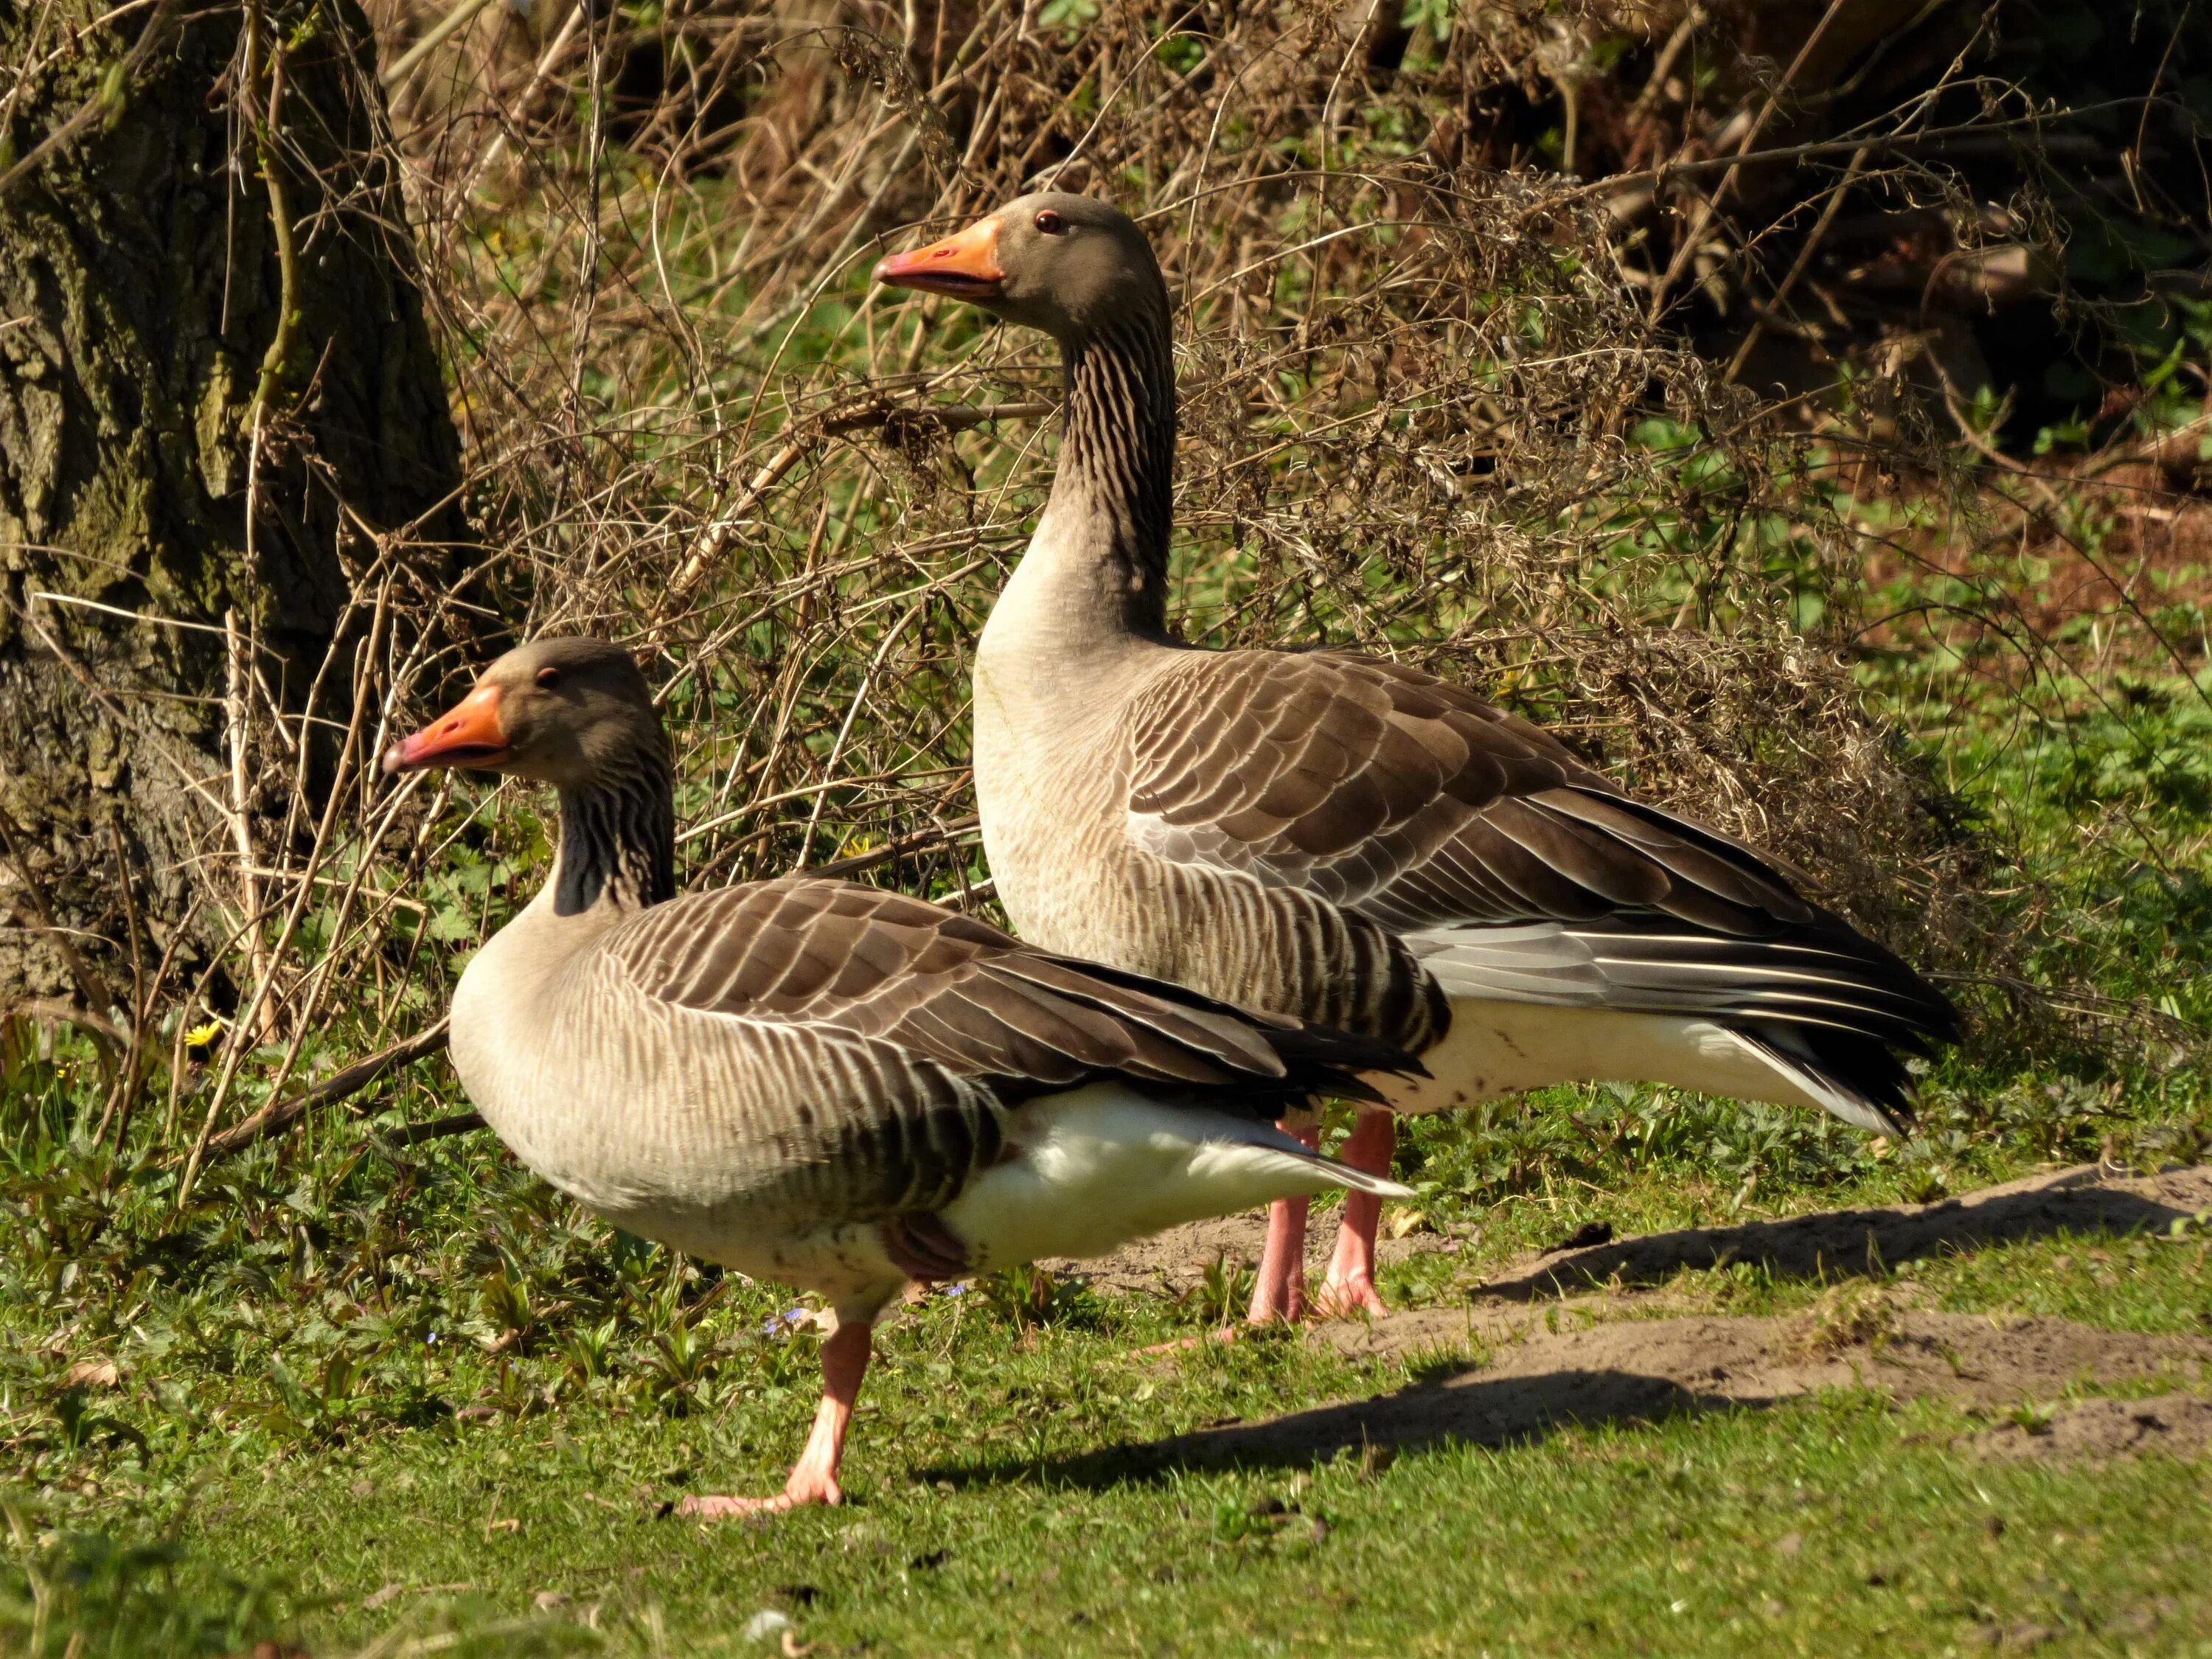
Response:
column 1504, row 861
column 1406, row 799
column 958, row 994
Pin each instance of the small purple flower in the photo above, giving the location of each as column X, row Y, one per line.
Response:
column 790, row 1320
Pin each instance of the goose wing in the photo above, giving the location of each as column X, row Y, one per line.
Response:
column 1513, row 870
column 899, row 1035
column 1413, row 802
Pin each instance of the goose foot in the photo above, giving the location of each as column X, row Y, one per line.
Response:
column 1280, row 1290
column 1185, row 1344
column 1350, row 1297
column 715, row 1507
column 814, row 1477
column 1349, row 1289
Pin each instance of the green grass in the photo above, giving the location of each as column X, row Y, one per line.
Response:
column 1830, row 1526
column 1593, row 1542
column 344, row 1367
column 405, row 1400
column 289, row 1420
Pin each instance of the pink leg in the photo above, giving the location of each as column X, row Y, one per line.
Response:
column 1349, row 1286
column 1280, row 1292
column 814, row 1477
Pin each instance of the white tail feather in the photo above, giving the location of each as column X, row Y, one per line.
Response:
column 1101, row 1165
column 1499, row 1048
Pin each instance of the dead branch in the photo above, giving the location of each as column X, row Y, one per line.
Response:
column 278, row 1115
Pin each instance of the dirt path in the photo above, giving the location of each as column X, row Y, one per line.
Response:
column 1634, row 1370
column 1577, row 1335
column 2079, row 1199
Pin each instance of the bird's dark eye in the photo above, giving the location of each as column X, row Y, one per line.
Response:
column 1050, row 223
column 549, row 679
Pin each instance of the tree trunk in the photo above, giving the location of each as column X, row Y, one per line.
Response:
column 143, row 277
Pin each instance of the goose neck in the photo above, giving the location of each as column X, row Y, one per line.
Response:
column 1113, row 498
column 617, row 840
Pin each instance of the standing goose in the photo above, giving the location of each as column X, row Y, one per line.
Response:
column 1334, row 838
column 826, row 1084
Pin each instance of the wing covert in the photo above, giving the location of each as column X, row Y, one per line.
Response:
column 1413, row 803
column 958, row 994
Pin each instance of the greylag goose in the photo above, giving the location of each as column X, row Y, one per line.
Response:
column 829, row 1084
column 1338, row 838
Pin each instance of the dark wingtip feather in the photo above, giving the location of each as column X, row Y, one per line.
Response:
column 1339, row 1056
column 1868, row 1066
column 1933, row 1020
column 1863, row 1069
column 1314, row 1061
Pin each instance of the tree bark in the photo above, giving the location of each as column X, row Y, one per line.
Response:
column 143, row 277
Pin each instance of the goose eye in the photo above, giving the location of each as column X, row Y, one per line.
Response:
column 1050, row 223
column 549, row 679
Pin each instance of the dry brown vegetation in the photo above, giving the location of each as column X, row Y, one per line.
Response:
column 1509, row 342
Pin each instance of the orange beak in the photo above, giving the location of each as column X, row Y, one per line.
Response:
column 965, row 265
column 468, row 734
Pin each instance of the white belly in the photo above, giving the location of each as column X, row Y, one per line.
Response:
column 1498, row 1048
column 1100, row 1166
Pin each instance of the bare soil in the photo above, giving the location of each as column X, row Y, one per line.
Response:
column 1178, row 1259
column 2179, row 1424
column 2085, row 1197
column 1583, row 1336
column 1525, row 1379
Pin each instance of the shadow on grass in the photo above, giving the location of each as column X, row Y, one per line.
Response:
column 1835, row 1243
column 1445, row 1408
column 1735, row 1358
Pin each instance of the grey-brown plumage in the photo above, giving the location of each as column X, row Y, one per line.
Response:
column 768, row 1074
column 829, row 1084
column 907, row 1038
column 1514, row 871
column 1333, row 837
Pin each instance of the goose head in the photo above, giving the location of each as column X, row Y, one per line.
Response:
column 1073, row 266
column 573, row 712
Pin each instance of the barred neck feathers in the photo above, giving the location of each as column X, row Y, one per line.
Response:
column 1117, row 462
column 618, row 837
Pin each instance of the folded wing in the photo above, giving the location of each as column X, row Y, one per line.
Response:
column 908, row 1036
column 1513, row 871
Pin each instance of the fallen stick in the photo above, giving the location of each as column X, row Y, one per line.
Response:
column 436, row 1128
column 279, row 1116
